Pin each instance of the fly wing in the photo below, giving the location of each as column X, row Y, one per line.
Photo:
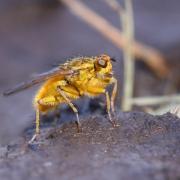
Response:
column 38, row 79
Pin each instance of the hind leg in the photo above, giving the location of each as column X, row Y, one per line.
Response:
column 37, row 128
column 47, row 101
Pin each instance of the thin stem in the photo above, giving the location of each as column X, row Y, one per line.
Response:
column 128, row 29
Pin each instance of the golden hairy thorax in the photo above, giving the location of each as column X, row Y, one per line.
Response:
column 91, row 78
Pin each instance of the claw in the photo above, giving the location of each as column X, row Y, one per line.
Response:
column 33, row 138
column 79, row 128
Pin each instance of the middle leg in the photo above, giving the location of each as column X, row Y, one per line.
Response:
column 63, row 94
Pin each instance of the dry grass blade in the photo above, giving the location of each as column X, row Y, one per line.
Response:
column 176, row 111
column 153, row 58
column 126, row 19
column 115, row 6
column 128, row 30
column 156, row 100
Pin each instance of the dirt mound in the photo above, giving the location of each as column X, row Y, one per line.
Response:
column 142, row 147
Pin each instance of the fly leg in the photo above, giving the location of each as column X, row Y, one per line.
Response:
column 108, row 107
column 63, row 94
column 37, row 127
column 47, row 101
column 113, row 96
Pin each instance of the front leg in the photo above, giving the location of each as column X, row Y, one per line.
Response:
column 113, row 96
column 108, row 107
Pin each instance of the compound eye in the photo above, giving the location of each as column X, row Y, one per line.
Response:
column 102, row 63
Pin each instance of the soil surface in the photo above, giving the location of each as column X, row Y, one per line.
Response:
column 141, row 147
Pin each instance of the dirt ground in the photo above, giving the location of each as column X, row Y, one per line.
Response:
column 36, row 34
column 142, row 147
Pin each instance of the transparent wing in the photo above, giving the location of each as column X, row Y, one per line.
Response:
column 38, row 79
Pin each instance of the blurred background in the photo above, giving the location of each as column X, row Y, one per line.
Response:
column 38, row 33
